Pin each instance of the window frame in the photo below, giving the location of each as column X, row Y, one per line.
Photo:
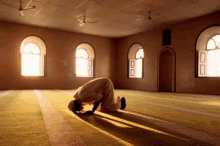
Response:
column 38, row 41
column 204, row 36
column 91, row 59
column 134, row 48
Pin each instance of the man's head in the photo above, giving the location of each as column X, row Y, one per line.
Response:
column 74, row 106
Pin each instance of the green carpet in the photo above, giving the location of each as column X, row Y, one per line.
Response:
column 200, row 122
column 88, row 133
column 21, row 120
column 197, row 121
column 108, row 130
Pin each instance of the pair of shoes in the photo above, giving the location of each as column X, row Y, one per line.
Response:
column 123, row 103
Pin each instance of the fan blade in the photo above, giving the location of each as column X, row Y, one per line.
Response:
column 22, row 13
column 141, row 18
column 155, row 9
column 81, row 24
column 37, row 12
column 92, row 22
column 80, row 20
column 28, row 4
column 9, row 6
column 30, row 8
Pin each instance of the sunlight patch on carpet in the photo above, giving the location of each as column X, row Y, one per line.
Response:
column 207, row 123
column 89, row 133
column 137, row 125
column 199, row 135
column 216, row 103
column 118, row 124
column 106, row 133
column 21, row 121
column 59, row 131
column 179, row 108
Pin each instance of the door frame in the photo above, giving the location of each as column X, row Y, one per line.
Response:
column 174, row 69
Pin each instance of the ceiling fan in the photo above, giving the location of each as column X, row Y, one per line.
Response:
column 21, row 9
column 84, row 20
column 149, row 15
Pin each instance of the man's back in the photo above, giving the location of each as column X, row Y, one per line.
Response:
column 96, row 85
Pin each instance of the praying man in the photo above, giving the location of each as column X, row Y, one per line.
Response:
column 97, row 91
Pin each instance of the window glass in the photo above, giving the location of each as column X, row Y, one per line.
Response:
column 30, row 60
column 30, row 65
column 31, row 48
column 82, row 63
column 138, row 63
column 136, row 57
column 82, row 53
column 138, row 73
column 213, row 63
column 81, row 67
column 140, row 54
column 216, row 39
column 211, row 44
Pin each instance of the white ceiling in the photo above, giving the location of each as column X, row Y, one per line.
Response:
column 116, row 18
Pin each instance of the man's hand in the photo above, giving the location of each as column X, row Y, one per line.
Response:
column 89, row 113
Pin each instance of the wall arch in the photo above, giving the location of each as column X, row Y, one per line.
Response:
column 88, row 48
column 205, row 35
column 133, row 50
column 167, row 70
column 35, row 40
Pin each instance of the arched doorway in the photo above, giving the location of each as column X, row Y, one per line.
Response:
column 167, row 70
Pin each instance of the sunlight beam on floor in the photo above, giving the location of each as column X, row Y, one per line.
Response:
column 118, row 124
column 137, row 125
column 108, row 134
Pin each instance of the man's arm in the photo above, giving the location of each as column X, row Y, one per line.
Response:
column 93, row 109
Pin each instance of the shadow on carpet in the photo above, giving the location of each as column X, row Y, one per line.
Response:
column 136, row 131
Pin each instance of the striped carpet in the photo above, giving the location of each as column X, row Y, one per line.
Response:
column 41, row 117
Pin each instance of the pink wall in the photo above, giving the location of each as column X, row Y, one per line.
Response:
column 183, row 41
column 61, row 46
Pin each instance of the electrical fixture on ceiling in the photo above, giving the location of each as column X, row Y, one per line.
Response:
column 149, row 16
column 84, row 20
column 21, row 9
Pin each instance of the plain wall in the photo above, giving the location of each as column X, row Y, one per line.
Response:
column 61, row 46
column 183, row 41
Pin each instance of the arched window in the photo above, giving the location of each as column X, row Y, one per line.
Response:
column 33, row 50
column 208, row 47
column 135, row 57
column 84, row 60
